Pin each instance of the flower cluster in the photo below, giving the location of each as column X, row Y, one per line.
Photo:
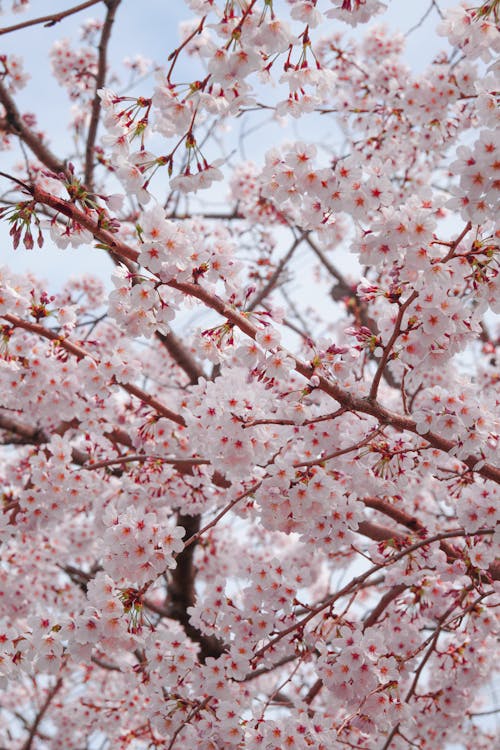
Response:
column 355, row 11
column 74, row 69
column 138, row 547
column 249, row 474
column 473, row 30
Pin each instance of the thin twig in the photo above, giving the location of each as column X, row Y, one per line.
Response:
column 41, row 713
column 431, row 642
column 343, row 283
column 427, row 13
column 195, row 537
column 112, row 6
column 271, row 283
column 143, row 458
column 455, row 243
column 353, row 584
column 340, row 452
column 194, row 712
column 50, row 20
column 388, row 347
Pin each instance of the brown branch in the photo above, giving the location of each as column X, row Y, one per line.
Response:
column 453, row 245
column 432, row 641
column 181, row 355
column 105, row 664
column 86, row 220
column 112, row 6
column 392, row 511
column 199, row 533
column 46, row 333
column 22, row 432
column 411, row 522
column 351, row 587
column 344, row 397
column 182, row 592
column 388, row 347
column 80, row 353
column 36, row 436
column 427, row 12
column 255, row 673
column 382, row 605
column 271, row 283
column 181, row 586
column 293, row 422
column 144, row 458
column 153, row 402
column 50, row 20
column 173, row 57
column 484, row 713
column 26, row 188
column 27, row 745
column 379, row 533
column 179, row 599
column 192, row 714
column 313, row 692
column 340, row 452
column 344, row 290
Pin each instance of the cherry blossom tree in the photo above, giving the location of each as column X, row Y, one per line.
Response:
column 249, row 489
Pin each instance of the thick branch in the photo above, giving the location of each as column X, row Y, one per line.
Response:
column 86, row 220
column 182, row 593
column 181, row 586
column 342, row 396
column 416, row 526
column 181, row 355
column 382, row 605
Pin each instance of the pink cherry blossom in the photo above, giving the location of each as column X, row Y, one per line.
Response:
column 249, row 466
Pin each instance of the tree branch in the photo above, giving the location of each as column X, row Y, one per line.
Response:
column 181, row 355
column 27, row 745
column 112, row 6
column 182, row 592
column 357, row 580
column 79, row 352
column 343, row 396
column 382, row 605
column 50, row 20
column 388, row 347
column 271, row 283
column 344, row 290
